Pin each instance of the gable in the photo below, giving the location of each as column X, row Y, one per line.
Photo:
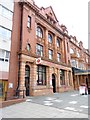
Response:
column 50, row 13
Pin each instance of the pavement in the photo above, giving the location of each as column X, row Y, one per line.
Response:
column 58, row 105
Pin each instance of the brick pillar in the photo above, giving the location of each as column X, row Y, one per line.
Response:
column 33, row 77
column 63, row 51
column 58, row 79
column 46, row 43
column 55, row 49
column 50, row 76
column 47, row 77
column 22, row 79
column 78, row 80
column 66, row 53
column 67, row 72
column 71, row 79
column 65, row 77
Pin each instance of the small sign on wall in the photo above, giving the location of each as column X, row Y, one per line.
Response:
column 10, row 85
column 38, row 60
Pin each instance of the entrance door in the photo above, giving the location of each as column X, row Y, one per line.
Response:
column 53, row 83
column 27, row 80
column 27, row 85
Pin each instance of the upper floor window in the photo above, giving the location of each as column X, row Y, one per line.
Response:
column 74, row 63
column 71, row 51
column 5, row 34
column 4, row 55
column 28, row 47
column 39, row 32
column 87, row 60
column 50, row 52
column 6, row 12
column 29, row 22
column 58, row 57
column 78, row 55
column 39, row 50
column 81, row 65
column 58, row 43
column 49, row 38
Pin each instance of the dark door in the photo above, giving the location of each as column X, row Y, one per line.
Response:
column 53, row 83
column 27, row 80
column 27, row 85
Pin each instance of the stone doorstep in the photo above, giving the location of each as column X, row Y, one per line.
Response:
column 11, row 102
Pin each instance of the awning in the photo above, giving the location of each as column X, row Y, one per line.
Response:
column 77, row 71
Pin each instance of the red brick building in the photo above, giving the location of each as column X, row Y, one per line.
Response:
column 79, row 62
column 40, row 52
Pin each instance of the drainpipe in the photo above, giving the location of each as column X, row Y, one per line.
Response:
column 20, row 45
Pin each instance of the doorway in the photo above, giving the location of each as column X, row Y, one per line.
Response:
column 53, row 83
column 27, row 80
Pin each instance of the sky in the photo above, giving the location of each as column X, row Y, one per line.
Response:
column 73, row 14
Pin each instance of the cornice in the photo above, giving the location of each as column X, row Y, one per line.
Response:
column 33, row 7
column 43, row 58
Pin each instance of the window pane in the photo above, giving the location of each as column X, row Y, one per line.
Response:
column 29, row 22
column 40, row 68
column 71, row 51
column 28, row 47
column 50, row 52
column 58, row 43
column 5, row 34
column 58, row 57
column 39, row 32
column 2, row 53
column 6, row 13
column 7, row 54
column 0, row 9
column 39, row 50
column 41, row 75
column 49, row 38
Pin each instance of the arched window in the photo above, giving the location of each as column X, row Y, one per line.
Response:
column 28, row 47
column 78, row 55
column 71, row 51
column 27, row 71
column 39, row 32
column 49, row 38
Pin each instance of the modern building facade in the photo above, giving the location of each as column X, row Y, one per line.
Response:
column 6, row 14
column 42, row 52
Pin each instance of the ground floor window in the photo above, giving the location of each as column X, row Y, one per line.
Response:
column 41, row 75
column 3, row 88
column 62, row 77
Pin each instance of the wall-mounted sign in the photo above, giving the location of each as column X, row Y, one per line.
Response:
column 38, row 60
column 10, row 85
